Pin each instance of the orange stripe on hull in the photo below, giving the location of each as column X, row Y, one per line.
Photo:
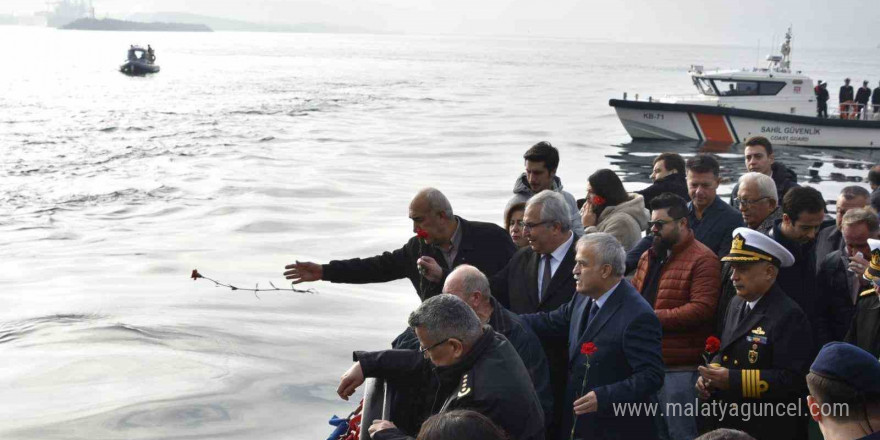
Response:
column 714, row 128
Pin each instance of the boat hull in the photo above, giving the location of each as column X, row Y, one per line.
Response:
column 138, row 68
column 656, row 120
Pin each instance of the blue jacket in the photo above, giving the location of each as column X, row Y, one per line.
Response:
column 627, row 368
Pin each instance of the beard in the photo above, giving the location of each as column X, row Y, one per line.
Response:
column 662, row 245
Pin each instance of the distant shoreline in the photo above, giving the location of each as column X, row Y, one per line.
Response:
column 109, row 24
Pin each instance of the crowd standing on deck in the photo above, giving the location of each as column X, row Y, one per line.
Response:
column 598, row 318
column 853, row 104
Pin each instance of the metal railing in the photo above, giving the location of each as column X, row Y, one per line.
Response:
column 376, row 405
column 855, row 111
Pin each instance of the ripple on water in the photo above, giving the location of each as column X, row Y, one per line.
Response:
column 269, row 226
column 177, row 416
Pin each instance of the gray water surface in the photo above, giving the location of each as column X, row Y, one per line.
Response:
column 249, row 151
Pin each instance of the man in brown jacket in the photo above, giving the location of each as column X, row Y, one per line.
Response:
column 681, row 278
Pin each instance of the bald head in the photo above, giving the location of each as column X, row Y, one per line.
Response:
column 469, row 284
column 431, row 199
column 431, row 212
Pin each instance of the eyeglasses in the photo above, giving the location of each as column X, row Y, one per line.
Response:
column 529, row 226
column 745, row 203
column 659, row 224
column 424, row 351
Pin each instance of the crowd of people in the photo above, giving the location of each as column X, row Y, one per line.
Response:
column 584, row 314
column 853, row 104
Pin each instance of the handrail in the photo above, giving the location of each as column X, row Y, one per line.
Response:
column 376, row 405
column 854, row 110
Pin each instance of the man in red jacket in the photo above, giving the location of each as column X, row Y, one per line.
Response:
column 681, row 278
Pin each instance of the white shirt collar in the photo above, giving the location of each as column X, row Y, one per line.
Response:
column 560, row 252
column 752, row 304
column 601, row 300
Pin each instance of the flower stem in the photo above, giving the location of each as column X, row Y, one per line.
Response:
column 583, row 388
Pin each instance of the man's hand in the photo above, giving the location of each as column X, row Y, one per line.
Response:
column 303, row 271
column 586, row 404
column 380, row 425
column 715, row 377
column 702, row 390
column 352, row 379
column 430, row 269
column 857, row 264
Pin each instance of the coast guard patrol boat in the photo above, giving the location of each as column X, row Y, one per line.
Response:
column 733, row 105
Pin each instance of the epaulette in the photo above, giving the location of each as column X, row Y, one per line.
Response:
column 866, row 293
column 466, row 383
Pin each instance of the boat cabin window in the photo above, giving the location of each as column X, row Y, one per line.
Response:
column 704, row 85
column 748, row 88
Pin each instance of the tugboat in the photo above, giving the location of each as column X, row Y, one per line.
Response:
column 140, row 61
column 733, row 105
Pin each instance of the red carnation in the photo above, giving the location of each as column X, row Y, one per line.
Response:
column 597, row 200
column 588, row 348
column 195, row 275
column 713, row 344
column 421, row 233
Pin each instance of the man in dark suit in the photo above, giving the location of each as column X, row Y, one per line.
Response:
column 830, row 237
column 627, row 366
column 840, row 279
column 766, row 346
column 528, row 284
column 449, row 241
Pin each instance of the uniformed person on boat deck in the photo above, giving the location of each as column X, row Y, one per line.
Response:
column 765, row 348
column 864, row 331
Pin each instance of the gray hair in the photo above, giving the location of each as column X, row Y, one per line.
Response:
column 447, row 316
column 862, row 215
column 853, row 191
column 608, row 250
column 471, row 280
column 437, row 202
column 765, row 183
column 553, row 208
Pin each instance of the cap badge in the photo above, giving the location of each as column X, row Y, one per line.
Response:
column 738, row 242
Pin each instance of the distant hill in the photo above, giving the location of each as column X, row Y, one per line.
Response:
column 224, row 24
column 109, row 24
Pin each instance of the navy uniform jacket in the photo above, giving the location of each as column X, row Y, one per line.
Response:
column 485, row 246
column 626, row 368
column 490, row 380
column 524, row 341
column 865, row 329
column 768, row 356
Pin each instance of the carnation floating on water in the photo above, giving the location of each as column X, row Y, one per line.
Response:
column 196, row 275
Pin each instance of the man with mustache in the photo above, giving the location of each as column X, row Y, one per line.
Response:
column 766, row 347
column 627, row 366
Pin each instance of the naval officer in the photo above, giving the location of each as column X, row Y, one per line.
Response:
column 864, row 330
column 765, row 347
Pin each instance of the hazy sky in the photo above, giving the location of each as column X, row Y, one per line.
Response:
column 817, row 23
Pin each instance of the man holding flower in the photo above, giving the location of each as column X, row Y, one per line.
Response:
column 625, row 361
column 444, row 242
column 766, row 346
